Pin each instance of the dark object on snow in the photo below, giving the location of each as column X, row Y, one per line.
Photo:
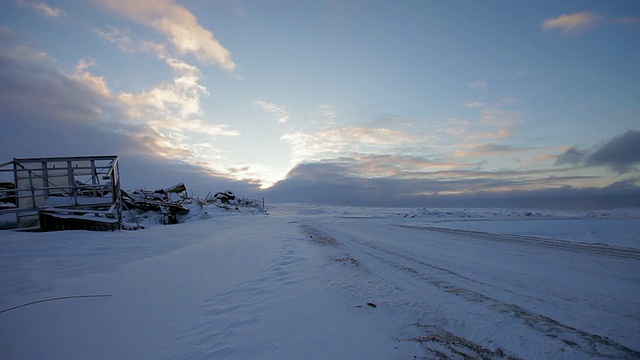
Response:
column 54, row 220
column 369, row 303
column 54, row 299
column 169, row 219
column 225, row 197
column 229, row 201
column 150, row 201
column 176, row 189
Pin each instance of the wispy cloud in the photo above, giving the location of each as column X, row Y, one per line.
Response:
column 328, row 114
column 179, row 98
column 164, row 104
column 171, row 110
column 489, row 135
column 6, row 33
column 97, row 84
column 625, row 21
column 489, row 149
column 493, row 124
column 179, row 25
column 332, row 142
column 498, row 117
column 279, row 111
column 474, row 104
column 396, row 165
column 28, row 54
column 581, row 22
column 118, row 37
column 477, row 85
column 42, row 7
column 572, row 23
column 122, row 39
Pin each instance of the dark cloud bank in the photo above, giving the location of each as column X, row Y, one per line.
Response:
column 620, row 154
column 327, row 184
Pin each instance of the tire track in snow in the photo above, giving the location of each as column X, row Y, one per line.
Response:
column 591, row 344
column 604, row 250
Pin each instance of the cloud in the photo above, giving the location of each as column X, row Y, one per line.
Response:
column 494, row 124
column 170, row 108
column 489, row 149
column 97, row 84
column 474, row 104
column 571, row 156
column 123, row 40
column 494, row 135
column 328, row 114
column 6, row 32
column 620, row 153
column 279, row 111
column 118, row 37
column 332, row 183
column 393, row 165
column 332, row 142
column 177, row 99
column 583, row 21
column 627, row 21
column 498, row 117
column 43, row 8
column 179, row 25
column 477, row 85
column 572, row 23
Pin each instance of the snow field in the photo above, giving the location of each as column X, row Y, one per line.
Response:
column 318, row 283
column 251, row 287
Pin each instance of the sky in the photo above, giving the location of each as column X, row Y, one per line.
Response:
column 434, row 103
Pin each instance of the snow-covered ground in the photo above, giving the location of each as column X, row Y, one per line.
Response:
column 329, row 283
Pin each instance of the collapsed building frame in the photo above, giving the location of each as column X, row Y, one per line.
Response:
column 59, row 193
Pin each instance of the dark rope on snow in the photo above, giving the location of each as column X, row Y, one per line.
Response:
column 56, row 298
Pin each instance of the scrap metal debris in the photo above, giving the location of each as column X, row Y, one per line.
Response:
column 158, row 201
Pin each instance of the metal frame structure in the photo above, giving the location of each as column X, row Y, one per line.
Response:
column 75, row 185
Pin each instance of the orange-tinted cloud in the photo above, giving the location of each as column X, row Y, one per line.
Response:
column 179, row 25
column 572, row 23
column 582, row 21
